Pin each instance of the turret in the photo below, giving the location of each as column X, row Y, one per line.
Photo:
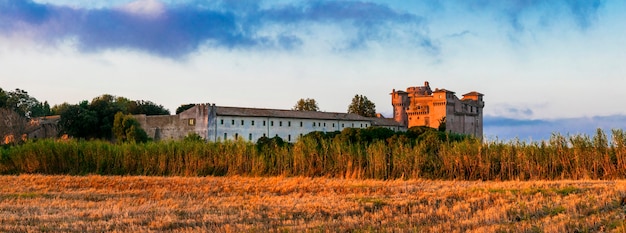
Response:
column 400, row 103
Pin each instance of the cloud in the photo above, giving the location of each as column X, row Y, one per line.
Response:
column 584, row 12
column 178, row 29
column 464, row 33
column 542, row 129
column 515, row 111
column 146, row 8
column 523, row 14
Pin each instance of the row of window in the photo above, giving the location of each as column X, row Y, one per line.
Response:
column 280, row 123
column 471, row 108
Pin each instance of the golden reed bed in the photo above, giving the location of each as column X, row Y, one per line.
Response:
column 38, row 203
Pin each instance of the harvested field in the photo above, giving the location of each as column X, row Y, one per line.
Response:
column 38, row 203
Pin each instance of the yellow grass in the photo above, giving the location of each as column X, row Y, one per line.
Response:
column 37, row 203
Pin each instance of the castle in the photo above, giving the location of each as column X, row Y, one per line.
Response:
column 420, row 106
column 417, row 106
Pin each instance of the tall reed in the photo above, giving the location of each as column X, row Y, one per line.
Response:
column 429, row 157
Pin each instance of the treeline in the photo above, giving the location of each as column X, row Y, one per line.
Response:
column 88, row 119
column 364, row 154
column 95, row 119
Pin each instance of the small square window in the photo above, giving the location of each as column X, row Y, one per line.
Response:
column 232, row 122
column 221, row 121
column 191, row 121
column 252, row 123
column 313, row 124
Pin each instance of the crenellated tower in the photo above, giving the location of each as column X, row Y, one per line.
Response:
column 440, row 109
column 400, row 102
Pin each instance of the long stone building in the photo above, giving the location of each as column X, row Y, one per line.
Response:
column 217, row 123
column 420, row 106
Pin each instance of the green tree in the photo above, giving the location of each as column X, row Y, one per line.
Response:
column 105, row 107
column 3, row 98
column 41, row 109
column 22, row 103
column 184, row 107
column 362, row 106
column 58, row 109
column 127, row 129
column 442, row 124
column 79, row 121
column 306, row 105
column 96, row 119
column 146, row 107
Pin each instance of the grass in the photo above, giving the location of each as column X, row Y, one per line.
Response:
column 57, row 203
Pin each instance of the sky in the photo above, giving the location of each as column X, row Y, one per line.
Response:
column 543, row 66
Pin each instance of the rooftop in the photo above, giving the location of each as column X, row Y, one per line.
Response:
column 280, row 113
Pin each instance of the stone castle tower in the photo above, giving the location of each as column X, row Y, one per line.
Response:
column 420, row 106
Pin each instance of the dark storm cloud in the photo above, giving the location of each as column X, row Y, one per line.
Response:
column 183, row 28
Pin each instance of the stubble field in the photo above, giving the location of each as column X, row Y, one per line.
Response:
column 38, row 203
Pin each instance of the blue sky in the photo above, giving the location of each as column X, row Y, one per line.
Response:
column 544, row 66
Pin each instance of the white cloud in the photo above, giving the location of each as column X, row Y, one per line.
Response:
column 145, row 8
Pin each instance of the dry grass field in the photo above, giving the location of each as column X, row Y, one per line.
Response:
column 37, row 203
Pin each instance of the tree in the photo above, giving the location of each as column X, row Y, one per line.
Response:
column 59, row 109
column 3, row 98
column 40, row 109
column 146, row 107
column 105, row 107
column 306, row 105
column 442, row 124
column 79, row 121
column 96, row 119
column 362, row 106
column 127, row 129
column 184, row 107
column 22, row 103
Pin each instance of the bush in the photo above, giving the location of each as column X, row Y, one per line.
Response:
column 193, row 137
